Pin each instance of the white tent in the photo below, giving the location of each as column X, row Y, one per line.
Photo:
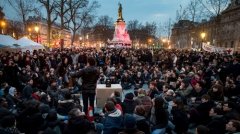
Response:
column 27, row 44
column 23, row 44
column 7, row 43
column 7, row 40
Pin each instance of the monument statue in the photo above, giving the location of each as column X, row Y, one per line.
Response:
column 120, row 11
column 121, row 38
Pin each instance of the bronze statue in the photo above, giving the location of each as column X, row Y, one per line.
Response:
column 120, row 12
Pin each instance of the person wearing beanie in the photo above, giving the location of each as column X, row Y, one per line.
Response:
column 44, row 109
column 78, row 123
column 51, row 122
column 202, row 130
column 141, row 121
column 129, row 124
column 28, row 90
column 112, row 120
column 8, row 125
column 128, row 104
column 144, row 100
column 11, row 97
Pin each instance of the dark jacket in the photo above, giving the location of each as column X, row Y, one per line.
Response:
column 30, row 121
column 153, row 92
column 65, row 106
column 217, row 124
column 198, row 95
column 9, row 131
column 128, row 106
column 131, row 131
column 78, row 125
column 11, row 101
column 112, row 122
column 89, row 77
column 146, row 102
column 27, row 92
column 142, row 124
column 180, row 120
column 203, row 110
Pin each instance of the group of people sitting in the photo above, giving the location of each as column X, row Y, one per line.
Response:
column 185, row 90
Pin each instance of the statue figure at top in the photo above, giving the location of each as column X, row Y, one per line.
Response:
column 120, row 12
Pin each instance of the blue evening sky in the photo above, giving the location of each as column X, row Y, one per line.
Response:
column 142, row 10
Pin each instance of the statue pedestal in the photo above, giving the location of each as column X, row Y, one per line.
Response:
column 121, row 37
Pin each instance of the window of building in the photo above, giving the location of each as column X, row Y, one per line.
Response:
column 232, row 44
column 226, row 44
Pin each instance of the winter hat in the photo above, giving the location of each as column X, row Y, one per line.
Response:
column 43, row 108
column 11, row 91
column 129, row 96
column 129, row 121
column 52, row 115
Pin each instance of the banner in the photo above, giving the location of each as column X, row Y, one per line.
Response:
column 214, row 49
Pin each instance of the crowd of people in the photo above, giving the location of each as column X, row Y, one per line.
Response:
column 41, row 91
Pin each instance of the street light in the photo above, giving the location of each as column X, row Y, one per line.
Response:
column 3, row 25
column 149, row 42
column 29, row 32
column 164, row 40
column 80, row 38
column 203, row 35
column 36, row 28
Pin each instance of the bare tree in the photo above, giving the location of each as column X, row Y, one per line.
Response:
column 105, row 21
column 214, row 7
column 23, row 8
column 2, row 14
column 136, row 31
column 151, row 28
column 165, row 28
column 49, row 6
column 133, row 25
column 181, row 14
column 195, row 11
column 61, row 10
column 103, row 29
column 80, row 15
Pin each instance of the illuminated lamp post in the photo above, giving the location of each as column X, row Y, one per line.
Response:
column 203, row 35
column 36, row 28
column 3, row 25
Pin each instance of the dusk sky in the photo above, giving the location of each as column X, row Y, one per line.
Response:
column 142, row 10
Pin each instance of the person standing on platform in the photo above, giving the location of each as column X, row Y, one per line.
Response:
column 89, row 75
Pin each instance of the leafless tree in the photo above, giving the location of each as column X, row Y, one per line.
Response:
column 195, row 11
column 103, row 29
column 214, row 7
column 80, row 14
column 181, row 13
column 165, row 28
column 49, row 6
column 2, row 14
column 105, row 21
column 23, row 8
column 151, row 28
column 62, row 9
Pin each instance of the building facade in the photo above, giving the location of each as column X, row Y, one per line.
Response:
column 221, row 31
column 37, row 31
